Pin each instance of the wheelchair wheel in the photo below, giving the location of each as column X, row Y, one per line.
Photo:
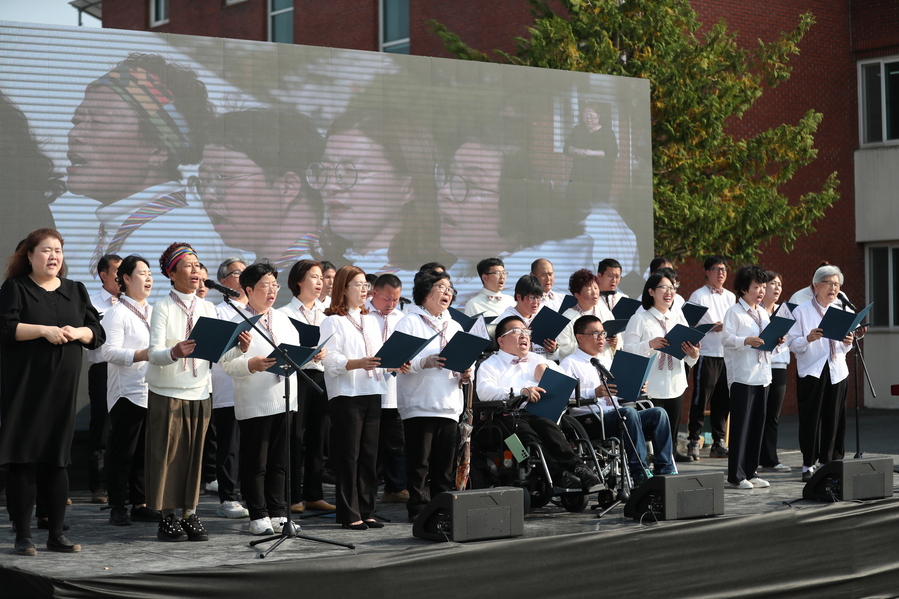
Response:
column 605, row 498
column 541, row 494
column 574, row 502
column 479, row 478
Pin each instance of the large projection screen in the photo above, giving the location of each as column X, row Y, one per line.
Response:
column 285, row 152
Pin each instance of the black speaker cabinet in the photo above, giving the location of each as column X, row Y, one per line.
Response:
column 473, row 515
column 851, row 479
column 678, row 496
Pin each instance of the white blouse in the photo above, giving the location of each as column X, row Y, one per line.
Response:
column 126, row 333
column 347, row 344
column 663, row 382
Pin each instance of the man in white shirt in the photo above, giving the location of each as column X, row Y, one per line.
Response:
column 528, row 300
column 385, row 297
column 490, row 300
column 98, row 431
column 652, row 423
column 514, row 367
column 543, row 270
column 608, row 276
column 710, row 373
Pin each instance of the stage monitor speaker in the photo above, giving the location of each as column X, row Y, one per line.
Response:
column 474, row 515
column 846, row 480
column 678, row 497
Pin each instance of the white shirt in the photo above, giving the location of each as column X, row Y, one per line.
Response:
column 553, row 299
column 316, row 316
column 663, row 383
column 261, row 393
column 611, row 300
column 744, row 363
column 126, row 333
column 811, row 358
column 578, row 366
column 497, row 375
column 222, row 384
column 174, row 377
column 347, row 344
column 807, row 293
column 387, row 326
column 102, row 302
column 678, row 303
column 568, row 341
column 718, row 304
column 536, row 347
column 488, row 302
column 428, row 392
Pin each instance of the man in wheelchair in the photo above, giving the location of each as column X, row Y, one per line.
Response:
column 601, row 417
column 517, row 370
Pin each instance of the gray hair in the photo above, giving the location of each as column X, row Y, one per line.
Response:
column 225, row 266
column 827, row 271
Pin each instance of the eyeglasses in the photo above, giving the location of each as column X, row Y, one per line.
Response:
column 596, row 334
column 832, row 284
column 533, row 298
column 443, row 288
column 234, row 273
column 213, row 185
column 718, row 269
column 345, row 175
column 266, row 287
column 459, row 187
column 517, row 331
column 500, row 273
column 362, row 286
column 666, row 288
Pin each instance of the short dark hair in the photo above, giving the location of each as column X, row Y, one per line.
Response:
column 486, row 264
column 669, row 273
column 387, row 278
column 503, row 325
column 528, row 285
column 103, row 262
column 657, row 263
column 714, row 261
column 581, row 324
column 647, row 300
column 580, row 279
column 298, row 273
column 431, row 266
column 747, row 275
column 371, row 278
column 327, row 266
column 254, row 272
column 127, row 268
column 606, row 264
column 424, row 283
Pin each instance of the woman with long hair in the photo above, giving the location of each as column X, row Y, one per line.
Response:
column 45, row 322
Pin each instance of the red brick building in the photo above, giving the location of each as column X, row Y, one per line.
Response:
column 825, row 77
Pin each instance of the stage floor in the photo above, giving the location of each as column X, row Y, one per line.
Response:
column 130, row 553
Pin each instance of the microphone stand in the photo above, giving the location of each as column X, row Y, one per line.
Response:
column 855, row 358
column 289, row 530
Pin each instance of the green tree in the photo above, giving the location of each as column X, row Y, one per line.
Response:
column 713, row 193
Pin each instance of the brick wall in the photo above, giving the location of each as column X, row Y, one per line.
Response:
column 213, row 18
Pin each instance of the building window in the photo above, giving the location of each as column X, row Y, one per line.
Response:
column 280, row 21
column 394, row 20
column 159, row 12
column 879, row 89
column 883, row 285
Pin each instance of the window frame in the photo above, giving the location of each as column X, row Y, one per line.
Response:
column 385, row 46
column 862, row 115
column 154, row 20
column 892, row 282
column 272, row 14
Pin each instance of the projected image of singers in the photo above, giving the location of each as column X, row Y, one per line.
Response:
column 253, row 187
column 137, row 125
column 377, row 184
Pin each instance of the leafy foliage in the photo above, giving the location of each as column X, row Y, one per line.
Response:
column 713, row 193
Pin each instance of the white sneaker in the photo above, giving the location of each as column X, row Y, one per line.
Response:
column 262, row 526
column 759, row 483
column 212, row 487
column 782, row 468
column 743, row 484
column 232, row 509
column 278, row 525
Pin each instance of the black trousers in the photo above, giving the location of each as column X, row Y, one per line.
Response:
column 674, row 408
column 822, row 418
column 98, row 430
column 391, row 451
column 747, row 423
column 709, row 388
column 310, row 430
column 227, row 452
column 24, row 483
column 263, row 465
column 768, row 456
column 430, row 459
column 354, row 452
column 125, row 454
column 534, row 429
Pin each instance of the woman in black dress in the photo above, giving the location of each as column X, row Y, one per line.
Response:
column 45, row 321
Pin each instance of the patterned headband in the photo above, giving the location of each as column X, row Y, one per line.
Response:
column 148, row 96
column 177, row 255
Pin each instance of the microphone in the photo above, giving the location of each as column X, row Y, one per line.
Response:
column 220, row 288
column 602, row 369
column 846, row 301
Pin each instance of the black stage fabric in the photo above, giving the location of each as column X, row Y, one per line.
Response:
column 816, row 550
